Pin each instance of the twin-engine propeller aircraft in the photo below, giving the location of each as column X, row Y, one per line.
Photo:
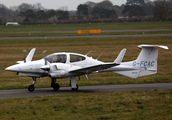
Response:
column 62, row 65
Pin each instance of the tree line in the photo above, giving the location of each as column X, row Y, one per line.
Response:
column 28, row 13
column 32, row 16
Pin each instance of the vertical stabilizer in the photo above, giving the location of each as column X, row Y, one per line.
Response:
column 145, row 64
column 148, row 59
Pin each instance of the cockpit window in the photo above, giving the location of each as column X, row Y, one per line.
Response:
column 76, row 58
column 60, row 58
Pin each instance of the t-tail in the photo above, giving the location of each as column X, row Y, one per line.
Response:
column 145, row 64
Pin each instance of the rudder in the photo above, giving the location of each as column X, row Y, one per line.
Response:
column 147, row 61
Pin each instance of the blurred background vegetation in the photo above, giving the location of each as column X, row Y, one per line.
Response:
column 89, row 12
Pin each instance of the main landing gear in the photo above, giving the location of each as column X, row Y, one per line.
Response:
column 75, row 89
column 73, row 84
column 55, row 85
column 31, row 87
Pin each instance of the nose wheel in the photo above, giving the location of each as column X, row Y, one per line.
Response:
column 31, row 87
column 56, row 86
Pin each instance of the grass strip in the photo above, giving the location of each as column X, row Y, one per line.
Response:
column 153, row 105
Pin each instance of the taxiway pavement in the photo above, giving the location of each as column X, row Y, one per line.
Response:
column 104, row 31
column 88, row 36
column 23, row 93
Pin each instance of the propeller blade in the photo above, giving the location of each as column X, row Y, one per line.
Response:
column 24, row 54
column 44, row 53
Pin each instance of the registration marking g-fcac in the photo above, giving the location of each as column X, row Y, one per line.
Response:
column 144, row 63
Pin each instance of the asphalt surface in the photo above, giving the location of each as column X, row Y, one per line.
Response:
column 88, row 36
column 23, row 93
column 141, row 30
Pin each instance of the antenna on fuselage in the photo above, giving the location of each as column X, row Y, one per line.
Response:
column 99, row 56
column 88, row 52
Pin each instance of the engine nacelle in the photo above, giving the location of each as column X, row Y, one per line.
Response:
column 58, row 70
column 58, row 74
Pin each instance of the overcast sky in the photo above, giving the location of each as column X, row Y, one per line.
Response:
column 55, row 4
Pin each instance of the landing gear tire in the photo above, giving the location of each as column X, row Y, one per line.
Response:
column 75, row 89
column 56, row 86
column 31, row 88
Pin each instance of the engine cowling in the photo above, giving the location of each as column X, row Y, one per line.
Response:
column 58, row 74
column 58, row 70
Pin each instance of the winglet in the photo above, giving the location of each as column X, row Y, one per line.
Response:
column 30, row 55
column 120, row 56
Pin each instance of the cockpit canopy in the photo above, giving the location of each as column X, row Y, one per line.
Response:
column 63, row 58
column 76, row 58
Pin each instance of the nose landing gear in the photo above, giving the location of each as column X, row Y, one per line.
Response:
column 31, row 87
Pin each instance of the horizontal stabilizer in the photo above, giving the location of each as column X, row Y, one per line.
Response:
column 152, row 46
column 120, row 56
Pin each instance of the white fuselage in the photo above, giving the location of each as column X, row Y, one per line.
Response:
column 62, row 65
column 59, row 69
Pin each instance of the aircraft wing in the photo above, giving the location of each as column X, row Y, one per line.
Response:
column 94, row 68
column 90, row 69
column 29, row 57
